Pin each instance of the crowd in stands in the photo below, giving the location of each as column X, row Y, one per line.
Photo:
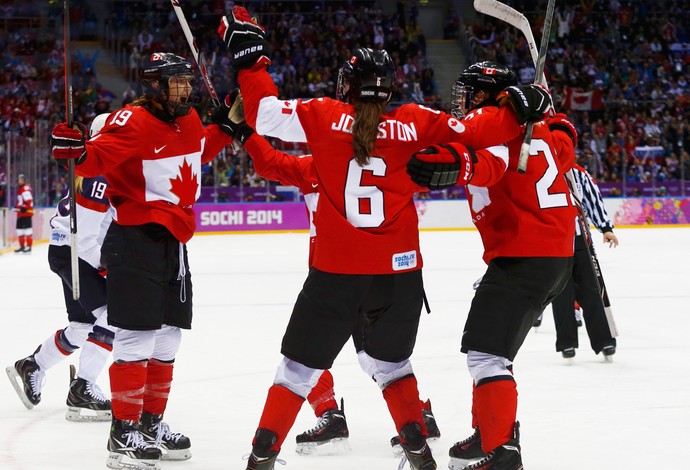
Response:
column 617, row 68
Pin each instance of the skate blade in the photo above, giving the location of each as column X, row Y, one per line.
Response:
column 398, row 450
column 461, row 464
column 338, row 446
column 570, row 361
column 176, row 454
column 81, row 415
column 120, row 461
column 608, row 358
column 18, row 386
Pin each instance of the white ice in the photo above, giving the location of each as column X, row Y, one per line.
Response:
column 626, row 414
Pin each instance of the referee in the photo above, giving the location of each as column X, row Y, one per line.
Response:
column 583, row 285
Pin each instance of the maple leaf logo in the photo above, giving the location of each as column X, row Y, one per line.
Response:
column 184, row 186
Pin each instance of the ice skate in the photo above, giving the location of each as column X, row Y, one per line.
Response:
column 128, row 448
column 504, row 457
column 432, row 429
column 331, row 428
column 608, row 352
column 262, row 457
column 569, row 355
column 19, row 250
column 537, row 323
column 417, row 451
column 27, row 379
column 466, row 452
column 85, row 400
column 173, row 445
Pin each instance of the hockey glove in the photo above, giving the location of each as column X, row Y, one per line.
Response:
column 442, row 166
column 23, row 209
column 532, row 103
column 230, row 118
column 244, row 38
column 67, row 143
column 560, row 122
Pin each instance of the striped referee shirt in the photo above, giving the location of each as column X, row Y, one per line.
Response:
column 592, row 203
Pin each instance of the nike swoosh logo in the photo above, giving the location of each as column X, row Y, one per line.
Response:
column 158, row 150
column 315, row 185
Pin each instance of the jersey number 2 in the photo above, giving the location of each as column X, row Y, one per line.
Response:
column 364, row 204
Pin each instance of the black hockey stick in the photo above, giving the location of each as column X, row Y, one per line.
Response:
column 594, row 260
column 543, row 48
column 69, row 117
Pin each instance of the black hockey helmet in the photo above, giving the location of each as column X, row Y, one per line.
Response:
column 368, row 74
column 488, row 77
column 158, row 68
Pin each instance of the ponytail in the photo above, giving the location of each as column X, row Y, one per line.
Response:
column 366, row 128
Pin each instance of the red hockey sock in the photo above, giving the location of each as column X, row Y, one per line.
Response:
column 280, row 411
column 29, row 240
column 402, row 398
column 322, row 396
column 127, row 382
column 495, row 403
column 158, row 380
column 475, row 422
column 22, row 240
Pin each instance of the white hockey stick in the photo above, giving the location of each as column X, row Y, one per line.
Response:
column 198, row 58
column 511, row 16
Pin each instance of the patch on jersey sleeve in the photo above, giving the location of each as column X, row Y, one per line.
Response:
column 403, row 261
column 456, row 125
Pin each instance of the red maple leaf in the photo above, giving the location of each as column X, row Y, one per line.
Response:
column 184, row 185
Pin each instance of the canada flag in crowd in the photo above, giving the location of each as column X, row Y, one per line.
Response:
column 578, row 100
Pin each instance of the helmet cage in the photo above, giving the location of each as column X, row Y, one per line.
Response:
column 488, row 77
column 159, row 68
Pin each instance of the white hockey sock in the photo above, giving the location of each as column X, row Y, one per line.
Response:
column 49, row 354
column 92, row 360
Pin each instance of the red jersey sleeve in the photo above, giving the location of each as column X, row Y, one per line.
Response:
column 279, row 166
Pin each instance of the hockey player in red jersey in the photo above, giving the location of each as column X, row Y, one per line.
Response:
column 88, row 325
column 525, row 222
column 299, row 171
column 151, row 153
column 366, row 259
column 25, row 211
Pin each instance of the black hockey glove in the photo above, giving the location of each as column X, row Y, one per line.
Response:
column 560, row 122
column 67, row 143
column 442, row 166
column 244, row 38
column 23, row 209
column 532, row 103
column 230, row 118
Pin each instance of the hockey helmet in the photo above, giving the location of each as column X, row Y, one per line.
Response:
column 97, row 124
column 368, row 74
column 478, row 85
column 156, row 74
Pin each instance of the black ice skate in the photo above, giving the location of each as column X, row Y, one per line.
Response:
column 569, row 354
column 331, row 428
column 262, row 457
column 27, row 379
column 173, row 445
column 433, row 432
column 466, row 452
column 608, row 352
column 19, row 250
column 417, row 452
column 85, row 400
column 128, row 448
column 503, row 457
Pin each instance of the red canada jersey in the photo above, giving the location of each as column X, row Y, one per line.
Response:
column 25, row 200
column 525, row 215
column 366, row 220
column 153, row 168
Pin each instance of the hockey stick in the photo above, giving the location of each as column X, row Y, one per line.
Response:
column 589, row 246
column 198, row 58
column 543, row 48
column 69, row 117
column 516, row 19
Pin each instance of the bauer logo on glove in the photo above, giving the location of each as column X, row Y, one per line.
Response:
column 244, row 38
column 532, row 103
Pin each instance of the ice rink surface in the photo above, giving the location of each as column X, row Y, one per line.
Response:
column 589, row 415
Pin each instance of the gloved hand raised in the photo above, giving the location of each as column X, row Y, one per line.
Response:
column 244, row 38
column 230, row 117
column 560, row 122
column 532, row 103
column 442, row 166
column 67, row 143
